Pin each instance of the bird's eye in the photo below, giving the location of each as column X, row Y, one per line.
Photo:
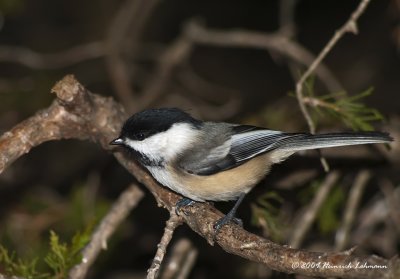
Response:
column 140, row 136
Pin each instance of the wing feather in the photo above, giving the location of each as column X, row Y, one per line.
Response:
column 247, row 142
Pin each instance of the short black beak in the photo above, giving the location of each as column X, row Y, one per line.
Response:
column 117, row 141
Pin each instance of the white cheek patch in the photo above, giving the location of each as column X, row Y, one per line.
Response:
column 151, row 147
column 166, row 145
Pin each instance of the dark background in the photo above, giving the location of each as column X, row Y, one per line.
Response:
column 64, row 185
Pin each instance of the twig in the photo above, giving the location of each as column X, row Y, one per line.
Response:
column 370, row 217
column 131, row 18
column 172, row 57
column 287, row 26
column 115, row 64
column 36, row 60
column 173, row 222
column 213, row 106
column 349, row 26
column 342, row 235
column 392, row 197
column 315, row 102
column 80, row 114
column 119, row 211
column 76, row 54
column 304, row 223
column 181, row 260
column 271, row 42
column 204, row 88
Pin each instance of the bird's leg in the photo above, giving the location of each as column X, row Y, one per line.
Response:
column 181, row 203
column 230, row 216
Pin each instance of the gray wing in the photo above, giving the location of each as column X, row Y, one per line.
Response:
column 247, row 142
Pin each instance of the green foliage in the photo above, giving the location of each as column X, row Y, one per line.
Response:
column 61, row 214
column 62, row 256
column 348, row 109
column 18, row 267
column 328, row 217
column 60, row 259
column 265, row 215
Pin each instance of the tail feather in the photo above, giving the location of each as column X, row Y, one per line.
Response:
column 298, row 142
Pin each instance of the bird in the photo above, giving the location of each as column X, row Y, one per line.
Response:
column 217, row 161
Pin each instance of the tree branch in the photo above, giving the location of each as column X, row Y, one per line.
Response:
column 276, row 42
column 353, row 201
column 119, row 211
column 130, row 18
column 80, row 114
column 173, row 222
column 349, row 26
column 36, row 60
column 306, row 220
column 181, row 259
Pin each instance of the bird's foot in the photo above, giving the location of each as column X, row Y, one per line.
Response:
column 182, row 203
column 224, row 221
column 230, row 217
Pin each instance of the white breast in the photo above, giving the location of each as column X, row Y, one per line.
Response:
column 169, row 180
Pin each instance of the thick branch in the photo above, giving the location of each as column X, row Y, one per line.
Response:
column 75, row 114
column 79, row 114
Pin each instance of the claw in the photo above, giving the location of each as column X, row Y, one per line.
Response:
column 224, row 221
column 230, row 217
column 181, row 203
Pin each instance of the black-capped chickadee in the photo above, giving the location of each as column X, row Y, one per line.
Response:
column 209, row 161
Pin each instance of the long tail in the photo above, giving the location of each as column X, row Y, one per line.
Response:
column 297, row 142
